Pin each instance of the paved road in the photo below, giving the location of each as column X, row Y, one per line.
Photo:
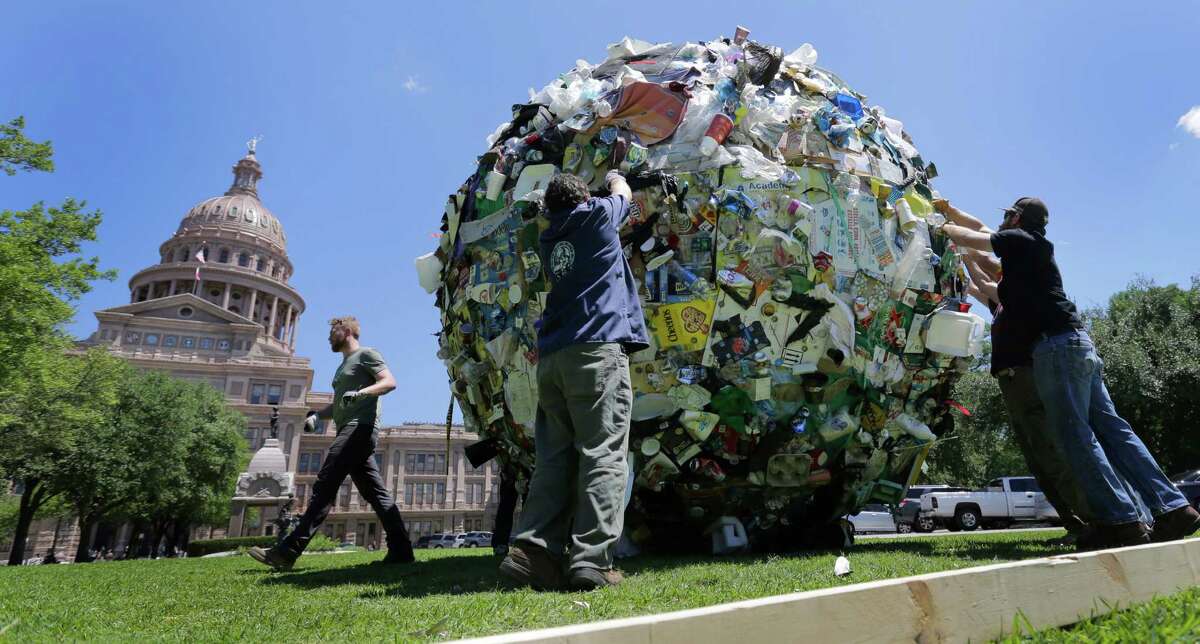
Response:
column 947, row 533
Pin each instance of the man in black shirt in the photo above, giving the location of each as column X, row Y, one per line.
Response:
column 1099, row 445
column 1012, row 366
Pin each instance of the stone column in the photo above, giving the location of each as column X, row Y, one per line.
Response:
column 292, row 335
column 174, row 283
column 253, row 301
column 286, row 331
column 274, row 310
column 225, row 298
column 236, row 518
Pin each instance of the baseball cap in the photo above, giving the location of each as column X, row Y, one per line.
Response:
column 1033, row 211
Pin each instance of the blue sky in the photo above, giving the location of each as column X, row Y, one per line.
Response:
column 371, row 115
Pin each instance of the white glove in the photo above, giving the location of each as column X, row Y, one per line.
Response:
column 310, row 423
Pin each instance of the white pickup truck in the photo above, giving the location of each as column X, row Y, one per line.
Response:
column 1002, row 502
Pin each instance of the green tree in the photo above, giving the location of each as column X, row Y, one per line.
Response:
column 188, row 446
column 43, row 397
column 981, row 446
column 19, row 153
column 51, row 412
column 1149, row 339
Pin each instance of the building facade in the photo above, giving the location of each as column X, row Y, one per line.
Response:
column 218, row 307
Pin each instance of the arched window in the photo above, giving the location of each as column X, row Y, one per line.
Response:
column 243, row 259
column 224, row 257
column 262, row 264
column 183, row 254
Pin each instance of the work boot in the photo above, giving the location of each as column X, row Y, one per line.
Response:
column 1072, row 537
column 530, row 565
column 586, row 579
column 1176, row 524
column 277, row 560
column 1114, row 536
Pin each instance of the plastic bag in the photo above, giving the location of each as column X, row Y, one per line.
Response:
column 763, row 62
column 756, row 165
column 805, row 55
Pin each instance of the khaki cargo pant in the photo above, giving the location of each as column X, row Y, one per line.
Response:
column 576, row 499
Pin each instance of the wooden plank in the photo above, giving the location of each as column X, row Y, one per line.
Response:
column 973, row 604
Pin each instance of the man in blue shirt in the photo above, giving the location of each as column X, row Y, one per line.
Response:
column 574, row 513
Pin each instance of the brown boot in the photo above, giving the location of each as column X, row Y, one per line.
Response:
column 1114, row 536
column 530, row 565
column 1176, row 524
column 586, row 579
column 276, row 559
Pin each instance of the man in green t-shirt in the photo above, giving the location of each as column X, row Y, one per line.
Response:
column 359, row 382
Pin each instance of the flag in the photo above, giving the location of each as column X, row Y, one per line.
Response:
column 199, row 258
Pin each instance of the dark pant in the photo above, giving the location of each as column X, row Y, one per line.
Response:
column 502, row 530
column 351, row 454
column 1043, row 454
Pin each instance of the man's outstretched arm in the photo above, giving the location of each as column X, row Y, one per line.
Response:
column 960, row 217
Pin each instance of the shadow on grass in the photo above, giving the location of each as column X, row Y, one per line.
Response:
column 441, row 576
column 473, row 574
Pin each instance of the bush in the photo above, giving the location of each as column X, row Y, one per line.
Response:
column 209, row 546
column 321, row 543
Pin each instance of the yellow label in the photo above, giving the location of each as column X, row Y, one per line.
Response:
column 685, row 324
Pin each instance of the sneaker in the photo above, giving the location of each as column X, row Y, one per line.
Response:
column 586, row 579
column 1114, row 536
column 530, row 565
column 1176, row 524
column 278, row 561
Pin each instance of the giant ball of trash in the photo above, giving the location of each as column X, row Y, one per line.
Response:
column 808, row 318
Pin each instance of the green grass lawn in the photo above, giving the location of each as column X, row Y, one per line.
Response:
column 446, row 594
column 1174, row 618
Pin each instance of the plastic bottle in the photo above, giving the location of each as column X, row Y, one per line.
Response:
column 718, row 130
column 917, row 251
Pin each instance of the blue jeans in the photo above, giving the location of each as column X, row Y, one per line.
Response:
column 1099, row 445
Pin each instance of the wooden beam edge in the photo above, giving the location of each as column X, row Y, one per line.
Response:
column 969, row 604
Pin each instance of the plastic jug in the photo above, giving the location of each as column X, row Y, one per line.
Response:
column 728, row 536
column 955, row 333
column 534, row 177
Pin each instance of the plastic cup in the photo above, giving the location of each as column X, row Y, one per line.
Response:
column 495, row 184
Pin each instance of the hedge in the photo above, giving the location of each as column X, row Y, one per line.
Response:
column 209, row 546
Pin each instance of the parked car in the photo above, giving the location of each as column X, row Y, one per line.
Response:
column 1003, row 501
column 1189, row 483
column 874, row 517
column 423, row 542
column 908, row 514
column 477, row 540
column 447, row 540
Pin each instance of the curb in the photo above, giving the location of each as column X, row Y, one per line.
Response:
column 972, row 604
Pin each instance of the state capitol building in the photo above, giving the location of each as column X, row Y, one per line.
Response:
column 218, row 307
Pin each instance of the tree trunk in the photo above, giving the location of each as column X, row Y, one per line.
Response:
column 185, row 537
column 159, row 528
column 31, row 499
column 83, row 553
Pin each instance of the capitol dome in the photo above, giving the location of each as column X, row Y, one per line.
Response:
column 238, row 210
column 230, row 251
